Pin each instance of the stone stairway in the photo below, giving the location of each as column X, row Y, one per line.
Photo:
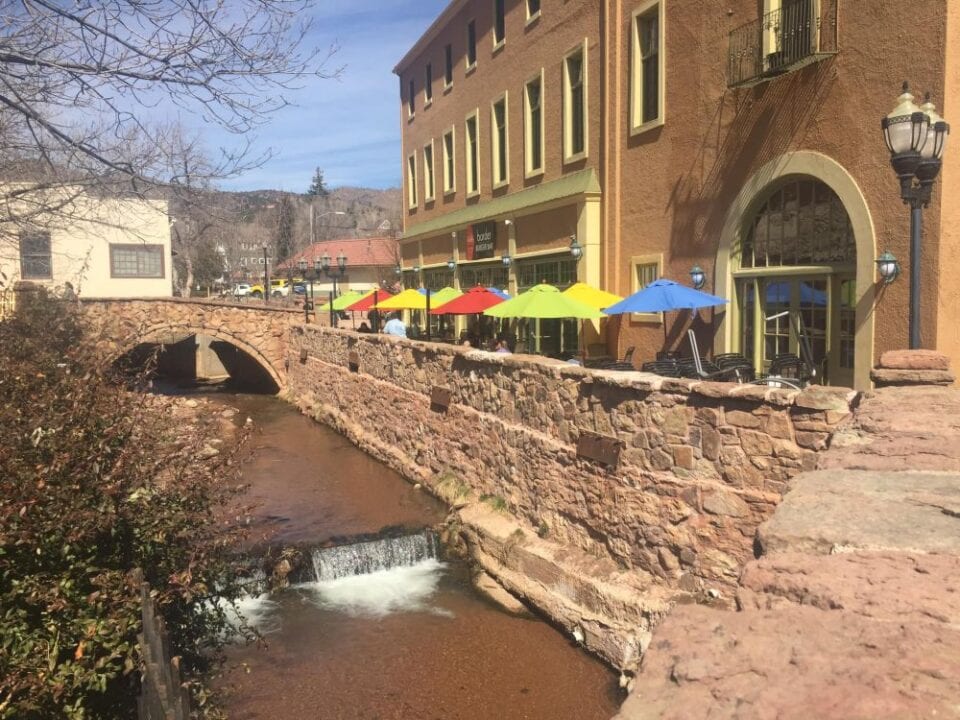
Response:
column 853, row 608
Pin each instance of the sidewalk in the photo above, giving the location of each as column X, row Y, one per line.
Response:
column 853, row 609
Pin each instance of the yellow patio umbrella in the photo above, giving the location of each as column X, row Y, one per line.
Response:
column 411, row 299
column 591, row 296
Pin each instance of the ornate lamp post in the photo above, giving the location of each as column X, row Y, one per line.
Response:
column 334, row 275
column 266, row 275
column 915, row 137
column 309, row 300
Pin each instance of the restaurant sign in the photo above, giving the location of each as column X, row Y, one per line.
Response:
column 481, row 239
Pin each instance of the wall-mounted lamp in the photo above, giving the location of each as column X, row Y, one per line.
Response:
column 416, row 268
column 398, row 270
column 888, row 266
column 506, row 260
column 697, row 277
column 508, row 222
column 576, row 249
column 451, row 264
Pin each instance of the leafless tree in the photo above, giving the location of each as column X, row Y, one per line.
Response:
column 92, row 94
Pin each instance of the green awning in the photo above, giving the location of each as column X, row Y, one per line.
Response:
column 573, row 185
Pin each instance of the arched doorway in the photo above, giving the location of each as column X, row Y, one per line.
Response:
column 842, row 269
column 795, row 281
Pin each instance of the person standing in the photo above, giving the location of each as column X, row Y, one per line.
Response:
column 395, row 326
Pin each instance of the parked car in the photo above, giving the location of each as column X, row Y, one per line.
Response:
column 300, row 288
column 256, row 291
column 242, row 290
column 279, row 287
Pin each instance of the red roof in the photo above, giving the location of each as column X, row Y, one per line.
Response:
column 360, row 252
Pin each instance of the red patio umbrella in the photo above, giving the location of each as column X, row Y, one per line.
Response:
column 368, row 301
column 473, row 301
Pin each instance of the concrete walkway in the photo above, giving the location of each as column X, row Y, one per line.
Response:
column 853, row 609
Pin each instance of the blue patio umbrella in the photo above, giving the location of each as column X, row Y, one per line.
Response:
column 662, row 296
column 502, row 293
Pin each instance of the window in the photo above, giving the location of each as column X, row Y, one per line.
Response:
column 499, row 23
column 473, row 155
column 575, row 109
column 448, row 66
column 533, row 9
column 411, row 100
column 533, row 126
column 646, row 87
column 428, row 85
column 412, row 181
column 35, row 260
column 136, row 261
column 449, row 163
column 428, row 189
column 500, row 142
column 471, row 44
column 646, row 269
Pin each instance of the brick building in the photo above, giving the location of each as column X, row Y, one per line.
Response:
column 741, row 137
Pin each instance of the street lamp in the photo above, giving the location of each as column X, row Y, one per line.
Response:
column 915, row 137
column 266, row 275
column 309, row 300
column 506, row 260
column 334, row 275
column 576, row 249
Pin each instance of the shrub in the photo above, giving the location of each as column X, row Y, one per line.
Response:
column 96, row 481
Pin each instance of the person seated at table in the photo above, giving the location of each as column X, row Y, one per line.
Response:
column 364, row 328
column 501, row 347
column 395, row 326
column 466, row 343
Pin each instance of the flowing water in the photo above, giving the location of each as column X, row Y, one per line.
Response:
column 385, row 628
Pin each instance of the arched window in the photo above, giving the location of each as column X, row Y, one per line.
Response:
column 796, row 282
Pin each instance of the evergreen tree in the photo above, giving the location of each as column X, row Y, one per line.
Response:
column 283, row 243
column 318, row 188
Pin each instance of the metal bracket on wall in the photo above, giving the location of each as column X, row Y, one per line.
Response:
column 353, row 361
column 602, row 448
column 440, row 398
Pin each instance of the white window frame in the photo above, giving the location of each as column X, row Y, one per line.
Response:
column 412, row 181
column 495, row 168
column 471, row 159
column 429, row 174
column 450, row 158
column 568, row 156
column 528, row 170
column 531, row 17
column 636, row 261
column 470, row 67
column 637, row 125
column 498, row 44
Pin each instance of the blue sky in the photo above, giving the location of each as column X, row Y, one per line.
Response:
column 349, row 127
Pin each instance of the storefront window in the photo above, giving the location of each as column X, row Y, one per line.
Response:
column 437, row 279
column 496, row 276
column 554, row 338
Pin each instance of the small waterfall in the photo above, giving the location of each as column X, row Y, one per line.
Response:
column 364, row 558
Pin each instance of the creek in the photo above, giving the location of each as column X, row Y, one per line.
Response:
column 389, row 628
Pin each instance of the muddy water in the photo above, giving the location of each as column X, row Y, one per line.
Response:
column 411, row 643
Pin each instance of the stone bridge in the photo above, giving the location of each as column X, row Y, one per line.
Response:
column 260, row 331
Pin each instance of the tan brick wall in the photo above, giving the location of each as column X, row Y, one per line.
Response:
column 526, row 50
column 703, row 464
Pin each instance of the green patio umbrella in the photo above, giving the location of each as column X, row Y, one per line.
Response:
column 543, row 302
column 342, row 302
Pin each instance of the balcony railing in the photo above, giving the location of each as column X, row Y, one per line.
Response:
column 798, row 33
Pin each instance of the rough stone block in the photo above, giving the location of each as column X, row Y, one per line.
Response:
column 710, row 443
column 914, row 360
column 725, row 503
column 742, row 419
column 812, row 440
column 755, row 443
column 683, row 456
column 885, row 377
column 822, row 397
column 779, row 426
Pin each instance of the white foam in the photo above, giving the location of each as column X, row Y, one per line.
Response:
column 399, row 589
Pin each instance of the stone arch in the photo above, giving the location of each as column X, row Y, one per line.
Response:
column 145, row 335
column 752, row 195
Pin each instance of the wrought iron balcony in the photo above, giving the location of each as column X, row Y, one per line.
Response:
column 796, row 34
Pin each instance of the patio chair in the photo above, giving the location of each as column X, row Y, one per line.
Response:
column 665, row 368
column 706, row 370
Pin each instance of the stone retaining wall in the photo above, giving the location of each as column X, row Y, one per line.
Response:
column 702, row 463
